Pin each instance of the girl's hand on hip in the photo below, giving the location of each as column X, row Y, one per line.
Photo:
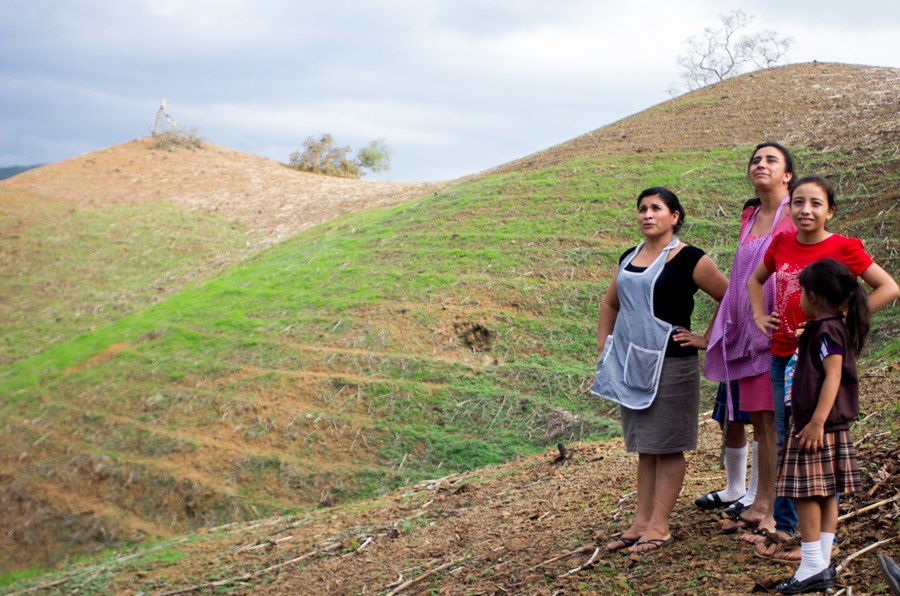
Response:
column 767, row 322
column 812, row 437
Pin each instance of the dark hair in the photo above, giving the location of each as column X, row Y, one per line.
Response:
column 668, row 197
column 821, row 183
column 836, row 287
column 788, row 167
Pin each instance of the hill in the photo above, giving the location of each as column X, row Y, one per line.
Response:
column 824, row 106
column 531, row 526
column 95, row 237
column 9, row 171
column 270, row 200
column 385, row 349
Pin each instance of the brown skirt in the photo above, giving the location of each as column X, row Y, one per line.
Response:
column 832, row 469
column 670, row 424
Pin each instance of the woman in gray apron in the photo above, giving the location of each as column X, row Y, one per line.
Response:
column 648, row 360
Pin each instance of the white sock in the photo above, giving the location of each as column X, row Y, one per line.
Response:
column 810, row 561
column 750, row 496
column 826, row 541
column 735, row 473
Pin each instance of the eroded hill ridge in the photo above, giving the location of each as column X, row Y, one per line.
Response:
column 821, row 105
column 270, row 200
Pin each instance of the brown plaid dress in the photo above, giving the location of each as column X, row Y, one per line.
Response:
column 832, row 469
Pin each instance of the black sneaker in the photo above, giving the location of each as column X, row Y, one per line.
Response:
column 819, row 582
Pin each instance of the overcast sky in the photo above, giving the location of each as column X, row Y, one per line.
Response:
column 453, row 86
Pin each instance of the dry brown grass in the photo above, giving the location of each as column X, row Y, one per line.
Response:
column 270, row 199
column 821, row 105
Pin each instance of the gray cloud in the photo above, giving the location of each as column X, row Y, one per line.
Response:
column 453, row 87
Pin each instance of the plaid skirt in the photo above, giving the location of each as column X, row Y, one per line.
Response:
column 832, row 469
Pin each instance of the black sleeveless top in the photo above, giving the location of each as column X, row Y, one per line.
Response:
column 673, row 294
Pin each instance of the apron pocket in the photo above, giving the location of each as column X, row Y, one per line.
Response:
column 641, row 367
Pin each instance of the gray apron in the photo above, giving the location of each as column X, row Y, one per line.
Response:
column 632, row 358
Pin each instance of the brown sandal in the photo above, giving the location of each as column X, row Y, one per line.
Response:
column 755, row 536
column 789, row 552
column 764, row 549
column 732, row 526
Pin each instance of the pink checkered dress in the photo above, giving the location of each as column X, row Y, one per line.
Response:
column 736, row 348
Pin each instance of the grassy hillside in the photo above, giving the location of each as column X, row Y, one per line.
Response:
column 531, row 526
column 69, row 271
column 180, row 350
column 91, row 239
column 375, row 350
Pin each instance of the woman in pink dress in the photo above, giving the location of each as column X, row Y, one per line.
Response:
column 737, row 352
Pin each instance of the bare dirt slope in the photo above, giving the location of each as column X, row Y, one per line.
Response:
column 817, row 104
column 532, row 526
column 271, row 200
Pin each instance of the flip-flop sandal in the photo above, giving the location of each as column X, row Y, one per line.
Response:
column 754, row 536
column 657, row 543
column 788, row 555
column 733, row 526
column 789, row 552
column 626, row 543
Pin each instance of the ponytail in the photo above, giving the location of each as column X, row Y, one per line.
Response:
column 857, row 317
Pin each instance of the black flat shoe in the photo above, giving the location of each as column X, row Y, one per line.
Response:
column 891, row 573
column 711, row 501
column 819, row 582
column 734, row 510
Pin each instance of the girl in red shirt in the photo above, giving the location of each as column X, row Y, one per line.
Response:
column 812, row 206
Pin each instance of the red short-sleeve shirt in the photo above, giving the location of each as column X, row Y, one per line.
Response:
column 786, row 257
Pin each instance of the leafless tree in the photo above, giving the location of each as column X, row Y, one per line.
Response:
column 725, row 51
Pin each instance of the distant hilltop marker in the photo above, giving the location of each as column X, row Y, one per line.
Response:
column 163, row 113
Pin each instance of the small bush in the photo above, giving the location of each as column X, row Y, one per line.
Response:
column 322, row 156
column 376, row 156
column 176, row 140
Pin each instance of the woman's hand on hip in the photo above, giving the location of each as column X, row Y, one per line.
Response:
column 688, row 339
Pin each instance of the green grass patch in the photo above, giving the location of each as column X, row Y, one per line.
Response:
column 8, row 578
column 68, row 272
column 401, row 343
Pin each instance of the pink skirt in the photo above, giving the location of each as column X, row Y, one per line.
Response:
column 756, row 393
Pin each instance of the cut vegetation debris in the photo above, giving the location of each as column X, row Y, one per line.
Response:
column 192, row 353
